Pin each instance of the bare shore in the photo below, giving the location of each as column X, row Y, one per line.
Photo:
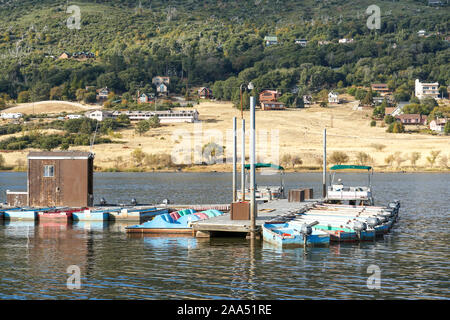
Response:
column 296, row 132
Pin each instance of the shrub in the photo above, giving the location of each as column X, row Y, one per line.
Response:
column 396, row 127
column 373, row 123
column 432, row 157
column 378, row 146
column 338, row 157
column 363, row 158
column 388, row 119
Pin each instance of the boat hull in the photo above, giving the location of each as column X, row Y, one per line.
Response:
column 283, row 235
column 90, row 216
column 20, row 215
column 135, row 215
column 161, row 230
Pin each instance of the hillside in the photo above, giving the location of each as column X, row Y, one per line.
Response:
column 299, row 133
column 220, row 44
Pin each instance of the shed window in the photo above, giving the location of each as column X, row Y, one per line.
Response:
column 49, row 171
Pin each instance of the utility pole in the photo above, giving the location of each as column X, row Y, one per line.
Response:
column 253, row 210
column 234, row 159
column 324, row 178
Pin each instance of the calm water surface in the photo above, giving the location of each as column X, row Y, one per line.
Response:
column 414, row 258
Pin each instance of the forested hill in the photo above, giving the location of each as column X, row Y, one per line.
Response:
column 219, row 44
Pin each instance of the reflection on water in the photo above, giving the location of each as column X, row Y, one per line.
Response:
column 413, row 258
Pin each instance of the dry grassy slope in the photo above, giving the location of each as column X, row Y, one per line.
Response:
column 300, row 132
column 50, row 107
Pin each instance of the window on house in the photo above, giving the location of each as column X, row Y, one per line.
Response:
column 49, row 171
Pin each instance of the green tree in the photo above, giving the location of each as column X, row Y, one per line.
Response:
column 23, row 97
column 154, row 122
column 142, row 127
column 368, row 99
column 447, row 128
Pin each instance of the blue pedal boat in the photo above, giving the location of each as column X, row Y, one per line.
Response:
column 136, row 214
column 24, row 213
column 93, row 214
column 176, row 222
column 290, row 235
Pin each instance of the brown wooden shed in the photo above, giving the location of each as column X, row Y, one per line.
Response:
column 62, row 178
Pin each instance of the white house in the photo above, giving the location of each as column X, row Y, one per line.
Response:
column 12, row 115
column 438, row 124
column 270, row 40
column 301, row 42
column 99, row 115
column 424, row 90
column 345, row 40
column 333, row 97
column 74, row 116
column 421, row 33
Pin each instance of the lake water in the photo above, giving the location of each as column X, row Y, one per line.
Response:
column 414, row 259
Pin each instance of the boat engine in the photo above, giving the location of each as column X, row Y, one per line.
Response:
column 306, row 230
column 372, row 222
column 133, row 201
column 165, row 201
column 102, row 201
column 359, row 226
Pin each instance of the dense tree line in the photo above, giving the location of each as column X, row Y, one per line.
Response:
column 218, row 44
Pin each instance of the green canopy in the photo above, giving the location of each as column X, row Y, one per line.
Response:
column 264, row 165
column 345, row 166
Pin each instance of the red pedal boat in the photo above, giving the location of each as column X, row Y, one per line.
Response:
column 58, row 215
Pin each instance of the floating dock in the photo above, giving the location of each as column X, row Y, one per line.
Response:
column 279, row 209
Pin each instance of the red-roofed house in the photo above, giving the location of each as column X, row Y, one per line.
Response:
column 269, row 95
column 417, row 119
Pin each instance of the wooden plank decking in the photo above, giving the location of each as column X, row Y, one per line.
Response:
column 266, row 211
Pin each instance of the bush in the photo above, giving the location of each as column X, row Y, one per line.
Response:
column 373, row 123
column 396, row 127
column 338, row 157
column 363, row 158
column 378, row 146
column 388, row 119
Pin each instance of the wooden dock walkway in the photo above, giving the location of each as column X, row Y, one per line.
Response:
column 266, row 212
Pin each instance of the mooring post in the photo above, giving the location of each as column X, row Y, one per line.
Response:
column 243, row 161
column 324, row 178
column 252, row 168
column 234, row 160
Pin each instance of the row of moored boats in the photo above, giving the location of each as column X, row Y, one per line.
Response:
column 324, row 223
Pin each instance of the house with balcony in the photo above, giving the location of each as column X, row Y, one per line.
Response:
column 426, row 90
column 269, row 96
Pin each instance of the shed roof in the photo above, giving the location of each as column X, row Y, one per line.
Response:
column 60, row 155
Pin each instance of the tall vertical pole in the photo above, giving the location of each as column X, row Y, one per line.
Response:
column 324, row 178
column 234, row 160
column 243, row 161
column 252, row 169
